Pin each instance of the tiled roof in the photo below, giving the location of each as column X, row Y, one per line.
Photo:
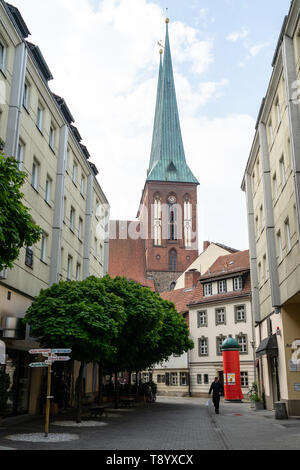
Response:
column 182, row 297
column 229, row 264
column 127, row 259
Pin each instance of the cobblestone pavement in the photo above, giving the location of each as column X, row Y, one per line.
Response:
column 170, row 424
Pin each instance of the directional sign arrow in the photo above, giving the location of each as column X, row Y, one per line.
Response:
column 38, row 364
column 40, row 351
column 61, row 351
column 59, row 358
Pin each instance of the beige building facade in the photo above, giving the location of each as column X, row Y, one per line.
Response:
column 272, row 186
column 61, row 190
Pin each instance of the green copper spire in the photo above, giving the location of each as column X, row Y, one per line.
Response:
column 168, row 162
column 155, row 129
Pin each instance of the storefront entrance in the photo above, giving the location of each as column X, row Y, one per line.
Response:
column 17, row 367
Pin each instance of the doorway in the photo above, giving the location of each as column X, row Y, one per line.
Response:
column 17, row 367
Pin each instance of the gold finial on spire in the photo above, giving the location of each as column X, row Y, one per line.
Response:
column 161, row 51
column 167, row 19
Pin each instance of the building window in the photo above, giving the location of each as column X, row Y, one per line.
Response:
column 48, row 190
column 69, row 268
column 35, row 175
column 2, row 57
column 174, row 379
column 275, row 187
column 260, row 272
column 188, row 222
column 280, row 248
column 29, row 257
column 278, row 113
column 44, row 247
column 78, row 272
column 265, row 269
column 261, row 218
column 101, row 253
column 157, row 222
column 20, row 155
column 183, row 379
column 243, row 343
column 80, row 226
column 271, row 134
column 220, row 316
column 26, row 96
column 173, row 261
column 288, row 235
column 283, row 171
column 203, row 346
column 244, row 380
column 82, row 185
column 202, row 318
column 219, row 342
column 161, row 379
column 40, row 116
column 52, row 137
column 207, row 290
column 172, row 222
column 206, row 379
column 74, row 173
column 222, row 287
column 237, row 283
column 199, row 379
column 72, row 219
column 240, row 313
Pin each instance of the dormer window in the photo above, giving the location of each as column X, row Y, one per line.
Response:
column 207, row 290
column 222, row 287
column 237, row 283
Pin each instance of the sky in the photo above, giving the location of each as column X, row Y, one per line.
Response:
column 104, row 57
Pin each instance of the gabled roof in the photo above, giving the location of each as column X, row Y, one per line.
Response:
column 183, row 297
column 229, row 264
column 167, row 161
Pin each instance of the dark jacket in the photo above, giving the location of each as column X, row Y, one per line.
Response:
column 216, row 388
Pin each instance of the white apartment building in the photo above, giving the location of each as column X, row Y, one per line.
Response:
column 61, row 190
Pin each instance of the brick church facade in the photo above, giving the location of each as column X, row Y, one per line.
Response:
column 162, row 243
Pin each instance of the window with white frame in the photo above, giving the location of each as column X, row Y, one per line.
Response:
column 72, row 219
column 52, row 137
column 174, row 378
column 2, row 56
column 222, row 286
column 187, row 222
column 244, row 380
column 288, row 235
column 74, row 173
column 82, row 185
column 202, row 318
column 206, row 379
column 282, row 170
column 199, row 379
column 48, row 190
column 44, row 241
column 240, row 313
column 265, row 268
column 80, row 228
column 219, row 342
column 280, row 247
column 20, row 155
column 260, row 272
column 40, row 117
column 203, row 346
column 237, row 283
column 26, row 95
column 271, row 133
column 275, row 187
column 243, row 343
column 157, row 227
column 278, row 111
column 69, row 268
column 207, row 290
column 35, row 174
column 183, row 379
column 220, row 316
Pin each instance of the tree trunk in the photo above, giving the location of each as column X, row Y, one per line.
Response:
column 79, row 393
column 100, row 396
column 116, row 390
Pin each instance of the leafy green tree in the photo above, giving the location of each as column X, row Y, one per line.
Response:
column 16, row 226
column 81, row 316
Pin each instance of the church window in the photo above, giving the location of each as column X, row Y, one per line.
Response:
column 173, row 260
column 157, row 221
column 172, row 222
column 188, row 222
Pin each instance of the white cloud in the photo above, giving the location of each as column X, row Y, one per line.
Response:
column 105, row 64
column 255, row 50
column 233, row 37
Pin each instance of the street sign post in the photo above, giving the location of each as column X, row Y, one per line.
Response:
column 50, row 355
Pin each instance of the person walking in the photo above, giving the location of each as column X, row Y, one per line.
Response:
column 217, row 389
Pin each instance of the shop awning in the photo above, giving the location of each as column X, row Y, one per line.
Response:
column 268, row 347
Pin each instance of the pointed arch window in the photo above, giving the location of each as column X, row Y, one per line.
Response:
column 173, row 261
column 188, row 225
column 172, row 218
column 157, row 221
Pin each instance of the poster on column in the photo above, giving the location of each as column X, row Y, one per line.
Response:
column 231, row 379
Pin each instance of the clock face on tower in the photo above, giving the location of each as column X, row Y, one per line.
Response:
column 172, row 199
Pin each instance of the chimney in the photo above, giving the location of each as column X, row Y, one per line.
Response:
column 205, row 245
column 191, row 278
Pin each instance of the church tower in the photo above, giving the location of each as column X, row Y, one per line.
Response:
column 168, row 210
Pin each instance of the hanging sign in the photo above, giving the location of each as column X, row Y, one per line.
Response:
column 38, row 364
column 40, row 351
column 231, row 379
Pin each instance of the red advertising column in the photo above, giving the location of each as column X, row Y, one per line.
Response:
column 232, row 372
